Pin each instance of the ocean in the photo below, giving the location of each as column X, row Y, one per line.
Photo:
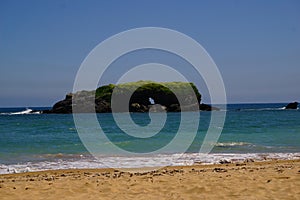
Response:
column 33, row 142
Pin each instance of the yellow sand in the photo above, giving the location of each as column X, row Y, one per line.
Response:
column 259, row 180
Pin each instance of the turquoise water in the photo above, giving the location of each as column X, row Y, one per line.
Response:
column 50, row 141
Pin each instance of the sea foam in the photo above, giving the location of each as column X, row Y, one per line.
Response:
column 160, row 160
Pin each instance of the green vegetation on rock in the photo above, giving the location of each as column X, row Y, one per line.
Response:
column 149, row 87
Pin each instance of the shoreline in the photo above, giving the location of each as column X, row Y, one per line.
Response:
column 276, row 179
column 80, row 161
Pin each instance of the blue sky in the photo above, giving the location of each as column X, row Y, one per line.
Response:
column 255, row 44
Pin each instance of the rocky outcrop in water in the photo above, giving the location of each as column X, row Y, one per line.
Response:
column 206, row 107
column 144, row 96
column 293, row 105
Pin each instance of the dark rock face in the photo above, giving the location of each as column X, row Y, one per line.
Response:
column 136, row 107
column 157, row 108
column 102, row 106
column 174, row 108
column 61, row 107
column 162, row 99
column 205, row 107
column 293, row 105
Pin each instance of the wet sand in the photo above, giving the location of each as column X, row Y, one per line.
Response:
column 252, row 180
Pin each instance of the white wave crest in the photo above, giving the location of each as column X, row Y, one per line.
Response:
column 232, row 144
column 25, row 112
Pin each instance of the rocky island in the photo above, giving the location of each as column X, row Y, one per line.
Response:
column 145, row 96
column 293, row 106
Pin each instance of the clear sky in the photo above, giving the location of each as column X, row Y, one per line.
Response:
column 255, row 44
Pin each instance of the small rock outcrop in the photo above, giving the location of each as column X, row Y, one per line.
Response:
column 205, row 107
column 293, row 105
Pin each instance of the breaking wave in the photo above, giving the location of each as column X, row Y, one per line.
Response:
column 232, row 144
column 82, row 162
column 23, row 112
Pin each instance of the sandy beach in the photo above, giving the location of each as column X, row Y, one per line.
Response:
column 251, row 180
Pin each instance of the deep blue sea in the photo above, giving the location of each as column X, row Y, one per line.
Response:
column 31, row 142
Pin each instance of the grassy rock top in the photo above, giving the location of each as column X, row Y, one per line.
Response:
column 167, row 88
